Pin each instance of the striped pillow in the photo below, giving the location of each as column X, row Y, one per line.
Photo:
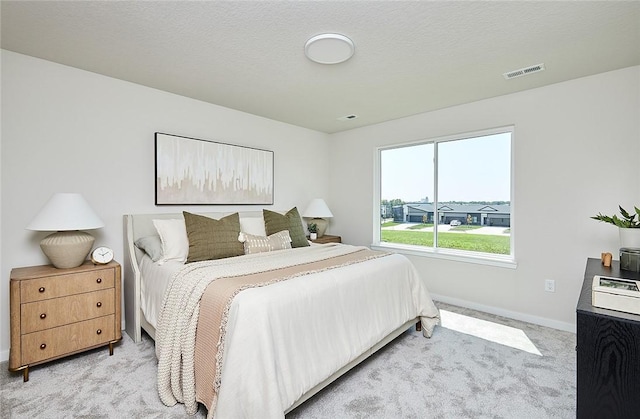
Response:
column 258, row 244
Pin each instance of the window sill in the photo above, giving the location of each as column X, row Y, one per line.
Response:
column 501, row 261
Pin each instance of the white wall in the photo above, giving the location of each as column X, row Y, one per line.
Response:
column 577, row 148
column 68, row 130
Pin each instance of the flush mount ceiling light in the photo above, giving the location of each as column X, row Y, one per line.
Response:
column 329, row 48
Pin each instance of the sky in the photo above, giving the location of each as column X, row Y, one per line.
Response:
column 476, row 169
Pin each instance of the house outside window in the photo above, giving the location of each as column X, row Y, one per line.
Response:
column 448, row 196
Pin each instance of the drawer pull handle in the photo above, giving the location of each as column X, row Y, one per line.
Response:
column 43, row 346
column 99, row 304
column 41, row 289
column 99, row 331
column 99, row 280
column 43, row 316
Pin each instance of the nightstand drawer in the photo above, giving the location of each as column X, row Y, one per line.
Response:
column 41, row 315
column 63, row 340
column 66, row 284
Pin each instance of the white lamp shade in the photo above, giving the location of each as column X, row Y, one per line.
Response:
column 65, row 212
column 317, row 208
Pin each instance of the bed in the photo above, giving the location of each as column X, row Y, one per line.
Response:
column 325, row 309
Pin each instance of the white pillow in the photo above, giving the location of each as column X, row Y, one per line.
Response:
column 175, row 243
column 253, row 226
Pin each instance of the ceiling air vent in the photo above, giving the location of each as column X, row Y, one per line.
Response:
column 523, row 71
column 347, row 117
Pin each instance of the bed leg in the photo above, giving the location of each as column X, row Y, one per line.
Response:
column 418, row 326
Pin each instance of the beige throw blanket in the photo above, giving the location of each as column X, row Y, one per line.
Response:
column 180, row 313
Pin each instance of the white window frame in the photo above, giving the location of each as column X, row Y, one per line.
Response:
column 505, row 261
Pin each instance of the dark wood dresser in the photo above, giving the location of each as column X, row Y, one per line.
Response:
column 608, row 353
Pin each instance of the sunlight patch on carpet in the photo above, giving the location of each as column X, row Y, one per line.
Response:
column 493, row 332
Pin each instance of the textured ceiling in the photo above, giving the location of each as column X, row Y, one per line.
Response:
column 411, row 57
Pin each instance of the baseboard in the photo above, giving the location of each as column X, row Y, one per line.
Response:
column 542, row 321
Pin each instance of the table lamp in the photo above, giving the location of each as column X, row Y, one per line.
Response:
column 66, row 214
column 318, row 210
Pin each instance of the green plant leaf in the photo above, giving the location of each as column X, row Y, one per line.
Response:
column 624, row 213
column 627, row 221
column 618, row 222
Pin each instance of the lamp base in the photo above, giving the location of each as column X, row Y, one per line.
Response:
column 67, row 249
column 321, row 223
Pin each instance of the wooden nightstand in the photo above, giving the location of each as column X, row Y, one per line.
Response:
column 59, row 312
column 328, row 239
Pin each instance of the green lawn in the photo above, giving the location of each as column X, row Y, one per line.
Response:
column 464, row 228
column 389, row 224
column 419, row 226
column 472, row 242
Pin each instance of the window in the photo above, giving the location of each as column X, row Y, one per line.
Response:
column 448, row 196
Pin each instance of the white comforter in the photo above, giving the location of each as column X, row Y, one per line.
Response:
column 284, row 339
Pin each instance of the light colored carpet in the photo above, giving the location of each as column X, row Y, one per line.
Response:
column 451, row 375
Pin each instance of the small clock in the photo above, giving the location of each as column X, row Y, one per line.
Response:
column 101, row 255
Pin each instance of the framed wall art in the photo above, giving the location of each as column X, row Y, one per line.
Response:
column 191, row 171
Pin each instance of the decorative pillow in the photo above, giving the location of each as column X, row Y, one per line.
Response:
column 253, row 226
column 257, row 244
column 175, row 244
column 151, row 245
column 275, row 222
column 212, row 239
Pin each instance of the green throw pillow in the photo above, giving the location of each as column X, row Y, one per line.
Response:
column 275, row 222
column 212, row 239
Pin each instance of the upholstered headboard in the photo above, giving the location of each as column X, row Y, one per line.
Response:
column 135, row 227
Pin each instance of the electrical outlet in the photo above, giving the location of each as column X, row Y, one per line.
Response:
column 550, row 285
